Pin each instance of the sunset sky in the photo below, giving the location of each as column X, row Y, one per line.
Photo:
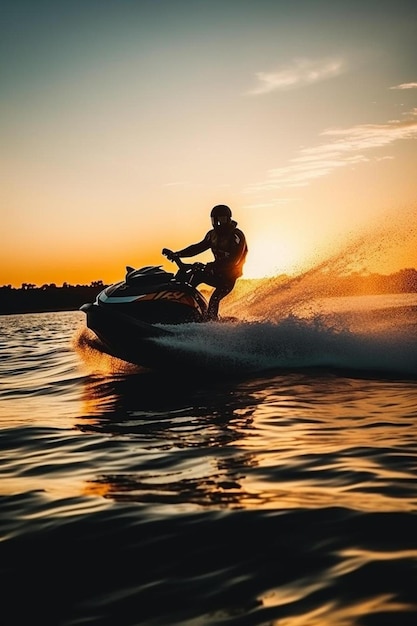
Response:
column 124, row 121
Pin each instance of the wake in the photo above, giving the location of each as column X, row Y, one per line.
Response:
column 292, row 343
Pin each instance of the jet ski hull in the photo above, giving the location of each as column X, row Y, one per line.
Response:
column 128, row 317
column 123, row 336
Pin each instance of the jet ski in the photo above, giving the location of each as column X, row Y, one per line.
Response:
column 128, row 315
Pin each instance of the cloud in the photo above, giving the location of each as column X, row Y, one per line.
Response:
column 300, row 73
column 179, row 183
column 405, row 86
column 269, row 205
column 346, row 149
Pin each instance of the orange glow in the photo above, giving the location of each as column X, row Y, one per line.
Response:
column 269, row 256
column 127, row 144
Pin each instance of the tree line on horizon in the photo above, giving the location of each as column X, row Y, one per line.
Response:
column 65, row 285
column 403, row 280
column 32, row 299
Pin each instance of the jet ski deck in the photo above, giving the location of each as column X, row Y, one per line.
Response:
column 128, row 315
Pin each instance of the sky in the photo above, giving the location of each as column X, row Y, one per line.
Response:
column 123, row 122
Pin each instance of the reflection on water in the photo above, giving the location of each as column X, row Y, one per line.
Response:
column 279, row 498
column 185, row 450
column 285, row 442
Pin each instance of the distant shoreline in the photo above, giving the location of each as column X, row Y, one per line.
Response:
column 47, row 299
column 50, row 298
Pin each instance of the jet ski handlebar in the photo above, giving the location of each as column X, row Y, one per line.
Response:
column 186, row 270
column 171, row 256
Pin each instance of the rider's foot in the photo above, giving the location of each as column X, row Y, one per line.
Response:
column 211, row 318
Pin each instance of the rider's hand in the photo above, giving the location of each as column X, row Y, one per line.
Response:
column 170, row 255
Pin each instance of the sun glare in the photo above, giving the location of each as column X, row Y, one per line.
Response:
column 266, row 257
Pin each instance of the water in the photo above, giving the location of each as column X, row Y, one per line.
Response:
column 277, row 489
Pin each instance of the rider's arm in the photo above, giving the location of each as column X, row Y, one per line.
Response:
column 195, row 248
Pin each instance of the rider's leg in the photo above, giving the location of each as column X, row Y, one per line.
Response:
column 218, row 294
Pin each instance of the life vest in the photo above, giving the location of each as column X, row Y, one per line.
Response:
column 229, row 249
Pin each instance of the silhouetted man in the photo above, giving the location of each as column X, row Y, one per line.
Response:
column 228, row 245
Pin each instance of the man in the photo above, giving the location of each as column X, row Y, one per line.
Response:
column 228, row 245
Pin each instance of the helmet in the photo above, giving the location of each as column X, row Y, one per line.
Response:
column 220, row 215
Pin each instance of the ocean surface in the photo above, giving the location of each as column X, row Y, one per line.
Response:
column 278, row 489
